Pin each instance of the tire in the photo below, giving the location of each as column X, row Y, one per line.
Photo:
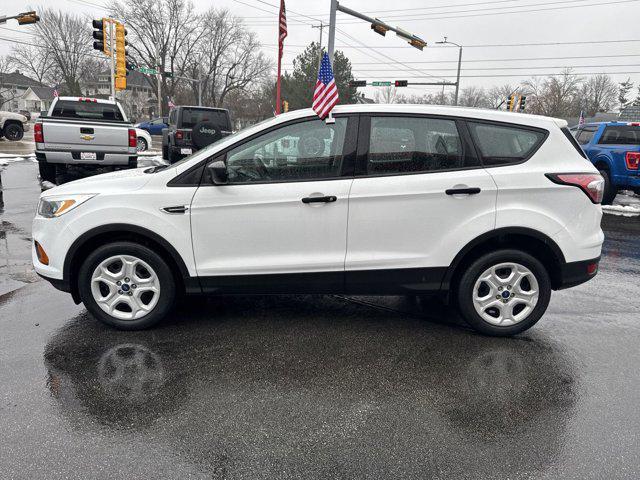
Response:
column 165, row 153
column 610, row 191
column 142, row 145
column 13, row 132
column 496, row 319
column 47, row 172
column 173, row 156
column 146, row 262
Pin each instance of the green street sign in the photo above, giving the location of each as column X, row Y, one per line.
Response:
column 381, row 84
column 148, row 71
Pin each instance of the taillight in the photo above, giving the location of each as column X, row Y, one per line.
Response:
column 133, row 138
column 38, row 135
column 633, row 160
column 179, row 134
column 592, row 184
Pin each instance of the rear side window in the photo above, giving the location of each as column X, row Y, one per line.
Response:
column 191, row 117
column 87, row 110
column 585, row 135
column 502, row 145
column 621, row 135
column 413, row 144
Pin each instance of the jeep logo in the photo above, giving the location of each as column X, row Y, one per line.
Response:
column 208, row 131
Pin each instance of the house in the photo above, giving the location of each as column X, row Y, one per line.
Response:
column 37, row 99
column 630, row 113
column 12, row 88
column 138, row 99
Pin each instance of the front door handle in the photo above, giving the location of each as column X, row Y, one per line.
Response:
column 327, row 199
column 463, row 191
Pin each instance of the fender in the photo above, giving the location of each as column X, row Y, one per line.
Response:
column 496, row 234
column 127, row 228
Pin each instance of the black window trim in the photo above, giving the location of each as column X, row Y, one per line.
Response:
column 349, row 151
column 468, row 149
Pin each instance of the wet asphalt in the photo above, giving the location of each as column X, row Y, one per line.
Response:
column 323, row 387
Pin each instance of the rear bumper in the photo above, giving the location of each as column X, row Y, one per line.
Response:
column 73, row 158
column 575, row 273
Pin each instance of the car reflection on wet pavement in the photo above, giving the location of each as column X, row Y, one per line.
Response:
column 326, row 387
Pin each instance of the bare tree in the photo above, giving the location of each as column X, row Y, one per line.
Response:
column 161, row 33
column 387, row 95
column 554, row 95
column 474, row 97
column 35, row 61
column 226, row 56
column 497, row 96
column 598, row 94
column 65, row 39
column 5, row 65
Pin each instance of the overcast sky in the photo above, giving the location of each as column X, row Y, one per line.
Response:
column 480, row 23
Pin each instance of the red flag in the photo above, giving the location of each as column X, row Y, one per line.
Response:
column 282, row 34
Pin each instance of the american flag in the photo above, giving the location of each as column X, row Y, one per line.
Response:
column 55, row 92
column 282, row 33
column 170, row 103
column 325, row 96
column 581, row 121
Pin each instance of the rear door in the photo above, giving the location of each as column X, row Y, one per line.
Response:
column 419, row 196
column 280, row 224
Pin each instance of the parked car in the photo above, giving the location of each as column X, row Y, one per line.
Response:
column 144, row 140
column 154, row 126
column 614, row 148
column 477, row 206
column 26, row 113
column 87, row 132
column 193, row 128
column 12, row 126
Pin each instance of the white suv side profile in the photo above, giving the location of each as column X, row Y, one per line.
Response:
column 492, row 210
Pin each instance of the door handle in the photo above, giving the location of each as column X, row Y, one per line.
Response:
column 462, row 191
column 327, row 199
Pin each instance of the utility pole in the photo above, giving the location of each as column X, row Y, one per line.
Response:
column 447, row 42
column 377, row 26
column 159, row 77
column 321, row 27
column 112, row 48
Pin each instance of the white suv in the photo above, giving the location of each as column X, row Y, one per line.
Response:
column 492, row 210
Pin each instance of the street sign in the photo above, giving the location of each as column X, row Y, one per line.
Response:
column 381, row 84
column 148, row 71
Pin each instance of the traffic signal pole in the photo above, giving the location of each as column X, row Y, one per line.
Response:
column 112, row 48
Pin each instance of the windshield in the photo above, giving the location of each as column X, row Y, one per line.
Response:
column 210, row 147
column 87, row 110
column 192, row 116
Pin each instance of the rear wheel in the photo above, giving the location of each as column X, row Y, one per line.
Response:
column 47, row 172
column 610, row 191
column 165, row 152
column 126, row 285
column 142, row 145
column 13, row 132
column 504, row 292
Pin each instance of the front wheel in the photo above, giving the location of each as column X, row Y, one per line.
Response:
column 504, row 292
column 13, row 132
column 126, row 285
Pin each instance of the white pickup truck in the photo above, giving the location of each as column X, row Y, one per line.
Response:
column 87, row 132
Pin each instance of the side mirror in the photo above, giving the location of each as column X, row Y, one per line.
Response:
column 218, row 172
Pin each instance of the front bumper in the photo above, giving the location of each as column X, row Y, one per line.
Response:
column 575, row 273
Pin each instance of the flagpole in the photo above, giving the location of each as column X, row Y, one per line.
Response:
column 282, row 33
column 278, row 86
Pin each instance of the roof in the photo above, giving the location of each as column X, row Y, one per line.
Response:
column 43, row 93
column 465, row 112
column 17, row 78
column 630, row 113
column 90, row 99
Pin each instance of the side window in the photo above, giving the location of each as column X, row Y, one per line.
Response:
column 585, row 135
column 621, row 135
column 502, row 145
column 413, row 144
column 302, row 151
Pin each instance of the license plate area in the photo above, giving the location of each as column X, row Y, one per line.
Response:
column 185, row 151
column 88, row 156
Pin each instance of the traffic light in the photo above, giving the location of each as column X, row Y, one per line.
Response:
column 417, row 43
column 100, row 34
column 379, row 29
column 357, row 83
column 402, row 83
column 121, row 57
column 285, row 106
column 523, row 102
column 27, row 18
column 511, row 103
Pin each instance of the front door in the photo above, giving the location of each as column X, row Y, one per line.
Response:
column 280, row 223
column 419, row 196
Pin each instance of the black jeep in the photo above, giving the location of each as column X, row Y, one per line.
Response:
column 193, row 128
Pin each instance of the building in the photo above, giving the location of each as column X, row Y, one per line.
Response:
column 138, row 99
column 13, row 86
column 630, row 114
column 36, row 100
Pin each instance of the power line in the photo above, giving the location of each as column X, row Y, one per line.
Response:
column 517, row 68
column 548, row 74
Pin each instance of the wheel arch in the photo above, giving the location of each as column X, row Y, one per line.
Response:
column 531, row 241
column 602, row 161
column 104, row 234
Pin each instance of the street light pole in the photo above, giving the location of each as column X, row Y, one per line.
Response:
column 332, row 29
column 445, row 42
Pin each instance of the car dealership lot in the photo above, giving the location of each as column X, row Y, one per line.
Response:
column 316, row 386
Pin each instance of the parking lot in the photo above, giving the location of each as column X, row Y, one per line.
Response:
column 316, row 386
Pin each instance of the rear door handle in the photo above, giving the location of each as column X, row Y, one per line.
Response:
column 463, row 191
column 327, row 199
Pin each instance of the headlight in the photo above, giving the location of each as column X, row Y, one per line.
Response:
column 55, row 206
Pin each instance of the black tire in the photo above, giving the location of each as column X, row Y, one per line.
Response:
column 13, row 132
column 610, row 191
column 166, row 280
column 173, row 156
column 143, row 146
column 464, row 291
column 165, row 152
column 47, row 172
